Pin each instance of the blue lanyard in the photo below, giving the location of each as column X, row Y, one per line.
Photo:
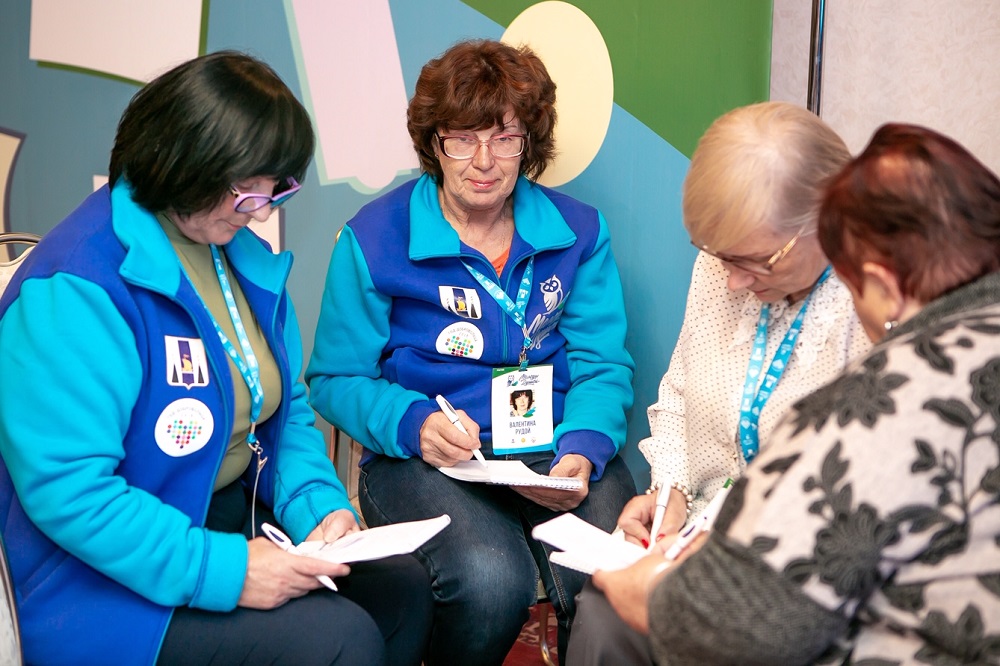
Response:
column 249, row 369
column 755, row 398
column 514, row 310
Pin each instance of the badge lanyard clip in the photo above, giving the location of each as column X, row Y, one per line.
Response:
column 513, row 310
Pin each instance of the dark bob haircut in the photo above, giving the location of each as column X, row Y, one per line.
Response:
column 917, row 203
column 514, row 395
column 212, row 121
column 473, row 86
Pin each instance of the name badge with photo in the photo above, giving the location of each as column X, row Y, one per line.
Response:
column 521, row 406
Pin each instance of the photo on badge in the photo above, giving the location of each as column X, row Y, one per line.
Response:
column 522, row 403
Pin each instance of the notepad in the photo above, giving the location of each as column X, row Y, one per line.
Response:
column 373, row 543
column 585, row 547
column 508, row 473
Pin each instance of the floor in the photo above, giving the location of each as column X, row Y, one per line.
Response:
column 526, row 651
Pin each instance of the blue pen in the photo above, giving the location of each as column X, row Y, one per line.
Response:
column 703, row 523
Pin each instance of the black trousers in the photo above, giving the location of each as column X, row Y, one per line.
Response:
column 381, row 615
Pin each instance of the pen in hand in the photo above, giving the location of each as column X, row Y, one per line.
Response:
column 703, row 523
column 281, row 540
column 662, row 498
column 452, row 415
column 687, row 535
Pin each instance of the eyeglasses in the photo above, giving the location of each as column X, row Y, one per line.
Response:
column 759, row 267
column 248, row 202
column 465, row 146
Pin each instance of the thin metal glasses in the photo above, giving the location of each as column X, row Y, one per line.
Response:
column 760, row 267
column 465, row 146
column 248, row 202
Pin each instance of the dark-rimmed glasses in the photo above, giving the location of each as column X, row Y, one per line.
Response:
column 754, row 266
column 465, row 146
column 248, row 202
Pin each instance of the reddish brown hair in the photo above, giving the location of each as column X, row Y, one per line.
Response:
column 918, row 203
column 471, row 87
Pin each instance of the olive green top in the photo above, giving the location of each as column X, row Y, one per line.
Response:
column 196, row 258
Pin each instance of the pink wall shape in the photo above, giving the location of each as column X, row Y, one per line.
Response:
column 134, row 39
column 353, row 84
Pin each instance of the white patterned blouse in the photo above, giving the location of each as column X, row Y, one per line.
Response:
column 694, row 422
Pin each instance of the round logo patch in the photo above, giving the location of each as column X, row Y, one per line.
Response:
column 460, row 339
column 184, row 426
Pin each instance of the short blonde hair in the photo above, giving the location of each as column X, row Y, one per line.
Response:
column 761, row 164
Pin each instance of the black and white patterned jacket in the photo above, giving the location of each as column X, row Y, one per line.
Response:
column 868, row 531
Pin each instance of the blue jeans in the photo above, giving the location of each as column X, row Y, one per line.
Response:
column 484, row 567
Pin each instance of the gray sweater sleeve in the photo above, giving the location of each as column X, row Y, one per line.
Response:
column 725, row 606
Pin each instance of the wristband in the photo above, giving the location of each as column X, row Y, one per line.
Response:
column 682, row 489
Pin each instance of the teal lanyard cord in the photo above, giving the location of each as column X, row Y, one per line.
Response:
column 513, row 310
column 755, row 398
column 249, row 369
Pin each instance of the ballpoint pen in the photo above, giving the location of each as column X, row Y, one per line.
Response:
column 452, row 415
column 662, row 498
column 281, row 540
column 703, row 523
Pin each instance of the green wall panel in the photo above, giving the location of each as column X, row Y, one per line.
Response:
column 678, row 64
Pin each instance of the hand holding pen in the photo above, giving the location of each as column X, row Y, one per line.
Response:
column 445, row 440
column 635, row 520
column 662, row 499
column 276, row 575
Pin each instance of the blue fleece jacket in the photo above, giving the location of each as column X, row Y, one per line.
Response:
column 103, row 526
column 403, row 320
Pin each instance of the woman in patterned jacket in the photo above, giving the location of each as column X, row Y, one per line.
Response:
column 868, row 531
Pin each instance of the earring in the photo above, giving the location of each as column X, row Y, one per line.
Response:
column 889, row 325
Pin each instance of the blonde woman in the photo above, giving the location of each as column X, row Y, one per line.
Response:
column 766, row 323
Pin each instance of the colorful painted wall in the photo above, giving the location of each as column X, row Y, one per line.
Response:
column 638, row 81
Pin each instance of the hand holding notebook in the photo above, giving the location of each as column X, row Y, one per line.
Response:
column 508, row 473
column 361, row 546
column 587, row 548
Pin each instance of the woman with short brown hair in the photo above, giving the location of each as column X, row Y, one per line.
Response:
column 469, row 282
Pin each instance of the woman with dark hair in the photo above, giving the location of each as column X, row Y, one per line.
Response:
column 521, row 403
column 152, row 415
column 468, row 282
column 867, row 531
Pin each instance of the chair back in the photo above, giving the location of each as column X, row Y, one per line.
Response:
column 10, row 635
column 345, row 454
column 9, row 264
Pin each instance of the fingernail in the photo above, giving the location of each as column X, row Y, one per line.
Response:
column 660, row 536
column 645, row 544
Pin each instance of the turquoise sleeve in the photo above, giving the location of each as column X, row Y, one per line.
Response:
column 307, row 487
column 600, row 367
column 345, row 384
column 71, row 377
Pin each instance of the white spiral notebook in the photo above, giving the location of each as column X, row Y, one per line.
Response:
column 373, row 543
column 508, row 473
column 363, row 545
